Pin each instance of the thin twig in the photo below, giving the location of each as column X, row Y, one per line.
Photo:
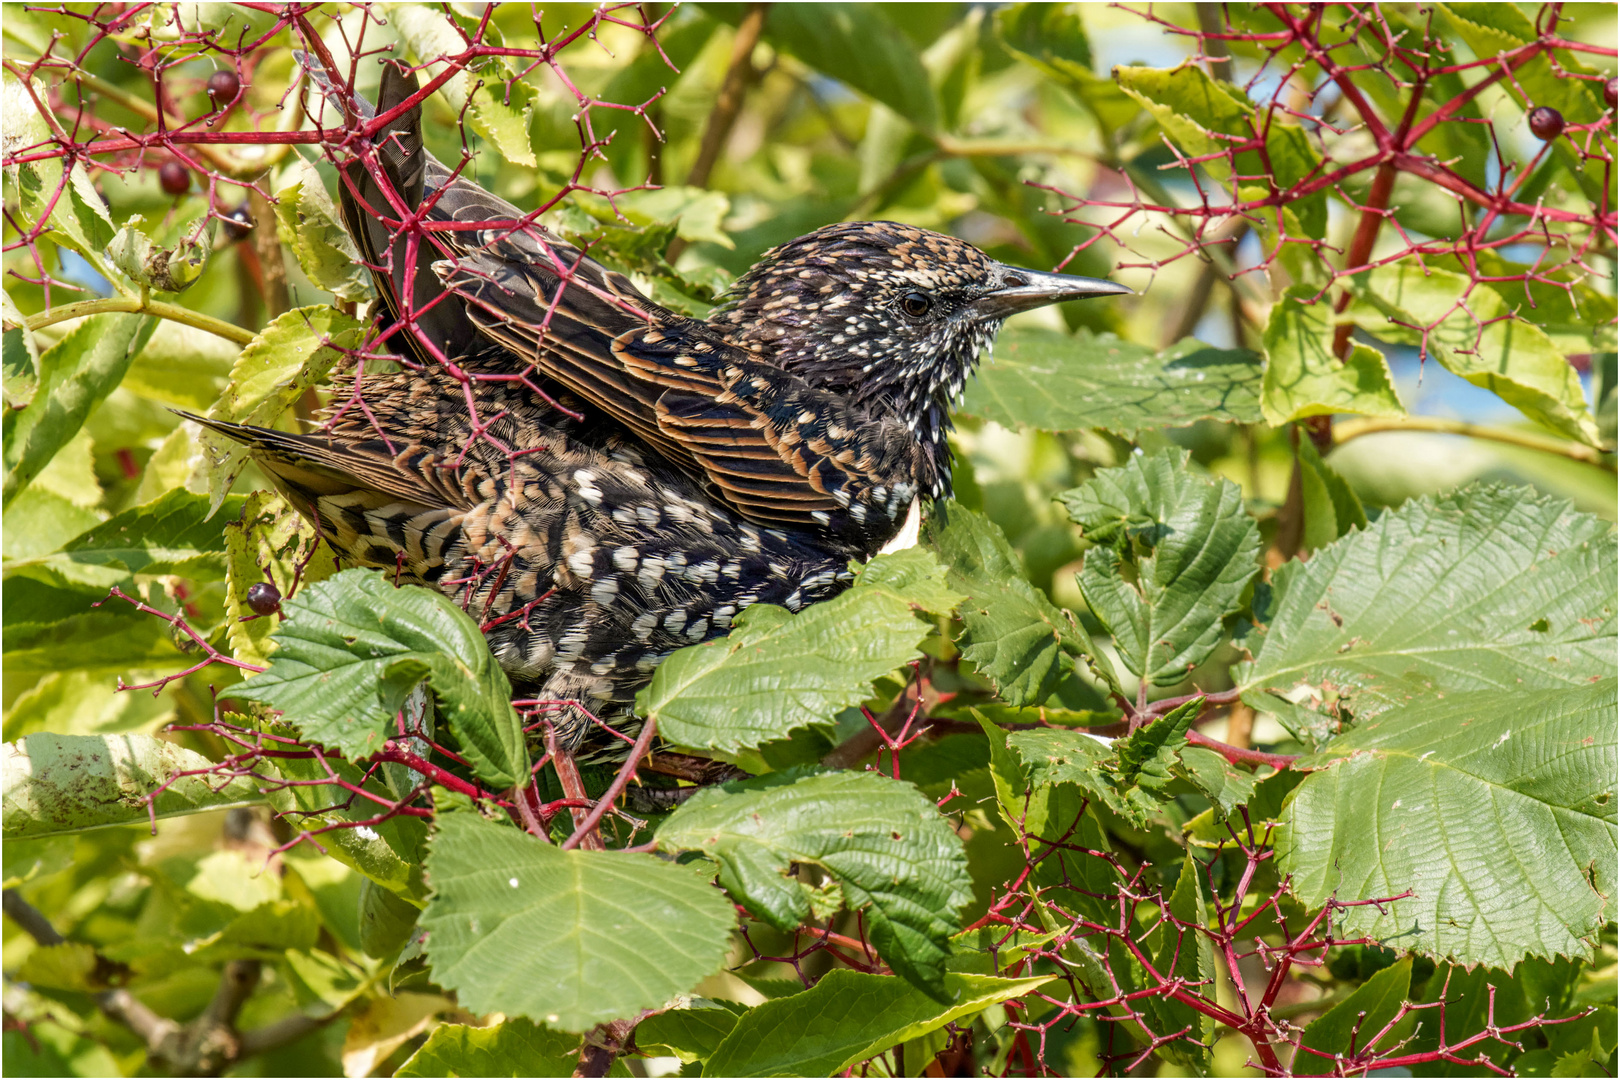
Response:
column 207, row 1045
column 727, row 104
column 605, row 803
column 134, row 305
column 1346, row 430
column 272, row 263
column 1241, row 755
column 867, row 740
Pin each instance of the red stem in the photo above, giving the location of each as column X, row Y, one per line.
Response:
column 392, row 752
column 626, row 771
column 1238, row 755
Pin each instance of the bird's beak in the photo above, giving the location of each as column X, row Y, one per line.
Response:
column 1023, row 289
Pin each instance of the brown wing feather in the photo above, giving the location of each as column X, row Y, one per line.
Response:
column 316, row 465
column 781, row 452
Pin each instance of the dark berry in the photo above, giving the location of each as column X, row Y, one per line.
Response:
column 1546, row 123
column 237, row 223
column 264, row 598
column 1610, row 92
column 223, row 86
column 175, row 178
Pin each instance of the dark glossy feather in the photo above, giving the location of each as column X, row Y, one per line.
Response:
column 598, row 480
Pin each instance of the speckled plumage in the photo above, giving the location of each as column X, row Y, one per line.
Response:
column 710, row 466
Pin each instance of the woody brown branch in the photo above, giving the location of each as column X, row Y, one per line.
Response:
column 205, row 1046
column 727, row 104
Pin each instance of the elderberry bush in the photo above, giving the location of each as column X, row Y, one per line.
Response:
column 1250, row 709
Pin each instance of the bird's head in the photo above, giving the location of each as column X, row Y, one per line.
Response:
column 893, row 315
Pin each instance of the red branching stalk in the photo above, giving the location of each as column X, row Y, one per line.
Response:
column 1045, row 921
column 1044, row 917
column 1301, row 59
column 226, row 147
column 626, row 771
column 211, row 655
column 205, row 143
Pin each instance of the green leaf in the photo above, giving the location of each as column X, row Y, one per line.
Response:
column 882, row 840
column 170, row 269
column 1125, row 774
column 323, row 984
column 387, row 921
column 180, row 366
column 1056, row 768
column 1347, row 1028
column 778, row 671
column 1474, row 334
column 1221, row 782
column 882, row 150
column 77, row 218
column 1576, row 316
column 267, row 534
column 1052, row 756
column 1196, row 110
column 1495, row 810
column 1264, row 805
column 265, row 932
column 846, row 1017
column 107, row 641
column 690, row 1034
column 1043, row 798
column 26, row 860
column 40, row 521
column 1331, row 506
column 1008, row 774
column 1053, row 382
column 500, row 110
column 916, row 576
column 228, row 876
column 1052, row 39
column 75, row 374
column 291, row 355
column 571, row 938
column 1181, row 951
column 1190, row 550
column 1489, row 29
column 20, row 354
column 857, row 45
column 69, row 783
column 1011, row 632
column 1482, row 998
column 171, row 535
column 510, row 1048
column 697, row 213
column 1489, row 588
column 502, row 113
column 1304, row 377
column 388, row 853
column 71, row 474
column 67, row 965
column 1147, row 754
column 351, row 648
column 308, row 223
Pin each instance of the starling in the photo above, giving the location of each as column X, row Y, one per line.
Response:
column 600, row 481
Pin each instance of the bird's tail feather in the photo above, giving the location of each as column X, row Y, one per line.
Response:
column 307, row 468
column 408, row 292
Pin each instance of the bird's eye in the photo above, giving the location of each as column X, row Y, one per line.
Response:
column 915, row 304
